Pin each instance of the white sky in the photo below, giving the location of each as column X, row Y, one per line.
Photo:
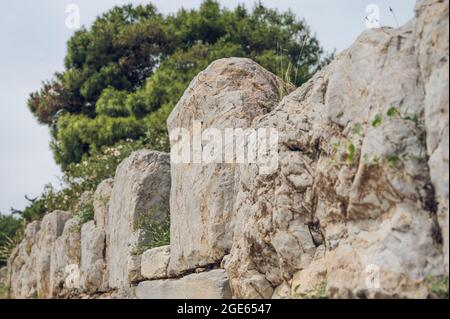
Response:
column 33, row 37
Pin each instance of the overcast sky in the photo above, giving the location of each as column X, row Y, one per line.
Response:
column 33, row 35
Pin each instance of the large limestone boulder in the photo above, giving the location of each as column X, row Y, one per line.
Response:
column 354, row 174
column 92, row 267
column 140, row 195
column 206, row 285
column 432, row 34
column 66, row 253
column 230, row 93
column 51, row 227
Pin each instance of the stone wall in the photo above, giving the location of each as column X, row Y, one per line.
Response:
column 356, row 207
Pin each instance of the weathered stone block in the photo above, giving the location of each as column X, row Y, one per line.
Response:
column 66, row 254
column 154, row 263
column 92, row 257
column 207, row 285
column 52, row 226
column 101, row 202
column 140, row 194
column 229, row 94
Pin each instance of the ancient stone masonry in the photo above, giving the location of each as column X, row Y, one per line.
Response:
column 230, row 93
column 357, row 206
column 355, row 191
column 141, row 191
column 61, row 257
column 207, row 285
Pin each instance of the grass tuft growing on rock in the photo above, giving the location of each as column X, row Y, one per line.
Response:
column 438, row 287
column 156, row 231
column 86, row 213
column 318, row 292
column 4, row 292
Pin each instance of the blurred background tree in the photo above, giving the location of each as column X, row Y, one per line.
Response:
column 125, row 74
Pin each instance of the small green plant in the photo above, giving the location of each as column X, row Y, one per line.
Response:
column 412, row 118
column 378, row 119
column 281, row 92
column 393, row 112
column 156, row 230
column 4, row 291
column 345, row 152
column 351, row 151
column 438, row 286
column 336, row 145
column 393, row 160
column 286, row 76
column 318, row 292
column 357, row 129
column 86, row 213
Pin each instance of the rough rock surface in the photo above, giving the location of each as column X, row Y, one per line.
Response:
column 354, row 174
column 308, row 281
column 230, row 93
column 92, row 267
column 85, row 199
column 206, row 285
column 51, row 228
column 65, row 256
column 101, row 202
column 22, row 265
column 134, row 269
column 432, row 33
column 154, row 263
column 141, row 192
column 283, row 291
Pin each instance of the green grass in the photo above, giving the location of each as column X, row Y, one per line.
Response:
column 411, row 118
column 351, row 151
column 86, row 213
column 3, row 291
column 393, row 161
column 357, row 129
column 393, row 112
column 318, row 292
column 156, row 231
column 438, row 287
column 377, row 120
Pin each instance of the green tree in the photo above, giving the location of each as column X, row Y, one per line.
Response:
column 134, row 61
